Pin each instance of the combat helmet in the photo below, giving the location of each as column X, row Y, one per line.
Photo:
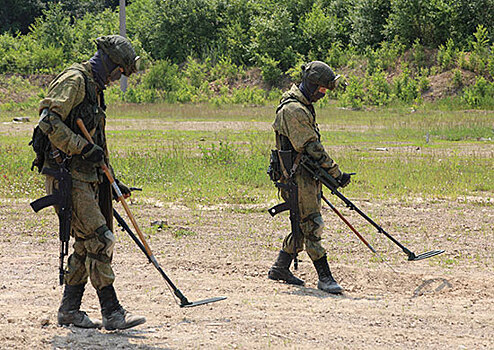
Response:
column 120, row 51
column 318, row 73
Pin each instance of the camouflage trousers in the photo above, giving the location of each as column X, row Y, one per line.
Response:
column 311, row 223
column 93, row 246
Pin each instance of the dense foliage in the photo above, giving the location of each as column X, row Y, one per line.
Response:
column 189, row 39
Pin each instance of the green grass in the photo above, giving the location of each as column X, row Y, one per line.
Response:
column 227, row 165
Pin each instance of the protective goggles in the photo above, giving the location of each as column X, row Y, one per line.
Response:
column 334, row 83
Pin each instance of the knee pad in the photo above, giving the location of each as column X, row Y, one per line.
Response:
column 312, row 227
column 101, row 246
column 106, row 237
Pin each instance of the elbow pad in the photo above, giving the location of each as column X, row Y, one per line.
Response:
column 45, row 122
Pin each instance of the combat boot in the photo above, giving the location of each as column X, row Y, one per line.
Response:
column 114, row 315
column 280, row 271
column 69, row 312
column 326, row 281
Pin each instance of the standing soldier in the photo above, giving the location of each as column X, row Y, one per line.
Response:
column 296, row 130
column 78, row 93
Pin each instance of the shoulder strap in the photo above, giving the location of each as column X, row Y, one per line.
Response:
column 310, row 108
column 284, row 102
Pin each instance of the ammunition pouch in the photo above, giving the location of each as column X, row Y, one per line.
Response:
column 41, row 146
column 274, row 169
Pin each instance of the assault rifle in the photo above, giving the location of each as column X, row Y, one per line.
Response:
column 288, row 168
column 62, row 199
column 332, row 184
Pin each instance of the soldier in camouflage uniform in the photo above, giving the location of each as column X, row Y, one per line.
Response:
column 78, row 93
column 296, row 130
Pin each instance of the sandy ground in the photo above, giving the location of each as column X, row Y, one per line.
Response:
column 446, row 302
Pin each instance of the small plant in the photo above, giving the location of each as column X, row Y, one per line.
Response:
column 423, row 83
column 270, row 71
column 405, row 87
column 354, row 94
column 182, row 232
column 163, row 75
column 447, row 55
column 378, row 89
column 457, row 80
column 418, row 54
column 480, row 50
column 196, row 71
column 481, row 94
column 223, row 154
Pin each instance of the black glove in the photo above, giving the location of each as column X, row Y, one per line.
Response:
column 126, row 192
column 93, row 153
column 344, row 179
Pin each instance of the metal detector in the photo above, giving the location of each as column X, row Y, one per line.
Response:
column 330, row 182
column 141, row 242
column 184, row 302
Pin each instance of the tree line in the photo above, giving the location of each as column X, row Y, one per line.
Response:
column 253, row 32
column 186, row 39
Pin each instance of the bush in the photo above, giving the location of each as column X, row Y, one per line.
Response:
column 405, row 87
column 384, row 57
column 163, row 75
column 225, row 68
column 318, row 31
column 457, row 82
column 338, row 56
column 378, row 89
column 269, row 70
column 354, row 94
column 368, row 20
column 447, row 55
column 273, row 37
column 481, row 94
column 479, row 57
column 196, row 72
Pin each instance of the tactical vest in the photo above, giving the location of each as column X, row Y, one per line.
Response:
column 91, row 111
column 94, row 118
column 284, row 142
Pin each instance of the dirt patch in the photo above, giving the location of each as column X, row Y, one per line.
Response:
column 442, row 85
column 446, row 302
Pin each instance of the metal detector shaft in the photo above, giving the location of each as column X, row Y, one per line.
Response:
column 184, row 302
column 349, row 225
column 356, row 232
column 126, row 228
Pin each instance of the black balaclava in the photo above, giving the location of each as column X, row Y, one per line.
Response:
column 102, row 66
column 310, row 91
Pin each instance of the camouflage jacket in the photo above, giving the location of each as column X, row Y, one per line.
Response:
column 296, row 119
column 74, row 94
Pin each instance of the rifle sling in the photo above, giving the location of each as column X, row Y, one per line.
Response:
column 286, row 174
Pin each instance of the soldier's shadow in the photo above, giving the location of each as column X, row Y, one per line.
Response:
column 93, row 339
column 316, row 293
